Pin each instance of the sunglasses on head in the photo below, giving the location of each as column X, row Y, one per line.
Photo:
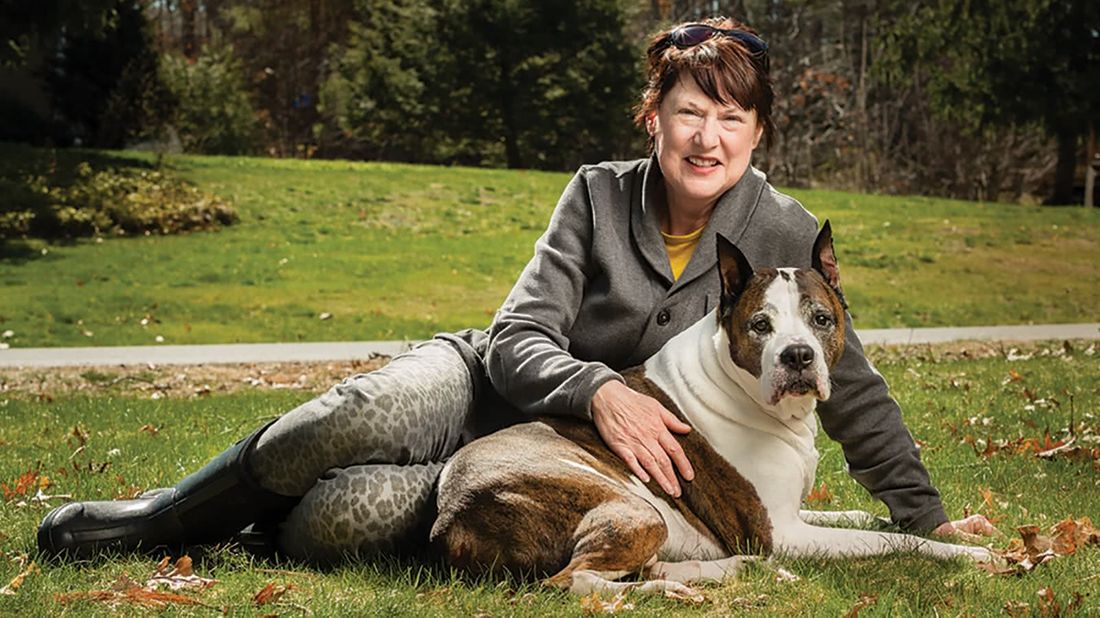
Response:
column 694, row 34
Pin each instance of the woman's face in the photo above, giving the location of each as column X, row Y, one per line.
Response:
column 703, row 147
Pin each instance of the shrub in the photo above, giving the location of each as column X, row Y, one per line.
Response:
column 115, row 201
column 214, row 114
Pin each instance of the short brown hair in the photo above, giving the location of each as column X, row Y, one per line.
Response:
column 722, row 66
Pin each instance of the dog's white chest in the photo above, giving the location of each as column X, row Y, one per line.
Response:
column 777, row 456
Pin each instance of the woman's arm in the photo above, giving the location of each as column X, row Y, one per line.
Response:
column 529, row 363
column 881, row 453
column 528, row 359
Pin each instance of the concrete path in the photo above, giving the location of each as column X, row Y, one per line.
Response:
column 341, row 351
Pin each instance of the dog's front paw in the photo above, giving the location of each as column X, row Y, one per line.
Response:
column 981, row 554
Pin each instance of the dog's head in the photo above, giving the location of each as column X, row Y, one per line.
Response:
column 785, row 326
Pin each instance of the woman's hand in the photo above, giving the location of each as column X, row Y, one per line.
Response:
column 638, row 429
column 970, row 528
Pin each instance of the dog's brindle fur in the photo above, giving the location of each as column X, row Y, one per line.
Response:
column 548, row 498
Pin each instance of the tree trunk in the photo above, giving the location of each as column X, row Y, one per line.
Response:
column 188, row 14
column 507, row 110
column 1067, row 165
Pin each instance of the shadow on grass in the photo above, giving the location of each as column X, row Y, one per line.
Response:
column 59, row 165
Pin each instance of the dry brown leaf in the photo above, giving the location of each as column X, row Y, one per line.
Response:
column 865, row 601
column 1034, row 542
column 1034, row 548
column 593, row 604
column 126, row 590
column 270, row 593
column 1050, row 606
column 21, row 486
column 16, row 582
column 821, row 495
column 178, row 576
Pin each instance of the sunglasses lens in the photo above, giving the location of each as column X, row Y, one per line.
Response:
column 755, row 44
column 690, row 36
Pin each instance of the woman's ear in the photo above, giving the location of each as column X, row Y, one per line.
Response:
column 759, row 134
column 651, row 123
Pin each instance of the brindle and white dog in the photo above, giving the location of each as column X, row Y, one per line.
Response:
column 549, row 498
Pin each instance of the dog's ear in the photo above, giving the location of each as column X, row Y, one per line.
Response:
column 733, row 270
column 824, row 260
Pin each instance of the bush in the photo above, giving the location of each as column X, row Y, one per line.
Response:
column 214, row 113
column 113, row 201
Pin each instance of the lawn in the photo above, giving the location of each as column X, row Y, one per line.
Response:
column 972, row 410
column 388, row 251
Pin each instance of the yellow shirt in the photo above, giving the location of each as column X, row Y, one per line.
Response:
column 680, row 249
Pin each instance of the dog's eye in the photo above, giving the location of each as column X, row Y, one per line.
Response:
column 761, row 326
column 823, row 320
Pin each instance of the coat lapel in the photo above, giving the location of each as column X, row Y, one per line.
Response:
column 644, row 224
column 730, row 218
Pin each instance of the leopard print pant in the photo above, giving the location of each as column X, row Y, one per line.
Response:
column 365, row 455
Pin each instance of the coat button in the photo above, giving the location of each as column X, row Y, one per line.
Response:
column 663, row 317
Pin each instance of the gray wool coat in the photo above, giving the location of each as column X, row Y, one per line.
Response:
column 598, row 296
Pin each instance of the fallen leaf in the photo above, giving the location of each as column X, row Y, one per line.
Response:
column 178, row 576
column 1034, row 548
column 270, row 594
column 865, row 601
column 820, row 495
column 126, row 590
column 17, row 581
column 1050, row 606
column 21, row 486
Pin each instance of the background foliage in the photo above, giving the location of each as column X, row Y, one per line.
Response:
column 978, row 99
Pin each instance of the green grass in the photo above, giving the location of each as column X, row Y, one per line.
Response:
column 401, row 251
column 945, row 401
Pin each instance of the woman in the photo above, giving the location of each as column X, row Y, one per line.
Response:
column 618, row 272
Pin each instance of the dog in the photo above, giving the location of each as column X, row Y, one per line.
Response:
column 548, row 498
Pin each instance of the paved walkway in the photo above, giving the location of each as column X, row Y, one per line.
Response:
column 340, row 351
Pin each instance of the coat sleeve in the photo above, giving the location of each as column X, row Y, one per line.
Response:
column 528, row 359
column 860, row 414
column 881, row 453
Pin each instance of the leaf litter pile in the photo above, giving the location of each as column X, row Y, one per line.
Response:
column 171, row 583
column 179, row 381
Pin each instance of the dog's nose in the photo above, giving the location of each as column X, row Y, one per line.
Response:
column 798, row 356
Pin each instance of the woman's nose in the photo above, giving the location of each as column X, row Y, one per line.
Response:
column 707, row 135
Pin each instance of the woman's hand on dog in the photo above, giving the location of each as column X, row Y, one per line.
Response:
column 639, row 429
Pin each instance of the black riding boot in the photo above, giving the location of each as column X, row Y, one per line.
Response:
column 208, row 506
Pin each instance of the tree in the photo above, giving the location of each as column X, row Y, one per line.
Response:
column 28, row 25
column 379, row 94
column 106, row 84
column 1002, row 63
column 549, row 82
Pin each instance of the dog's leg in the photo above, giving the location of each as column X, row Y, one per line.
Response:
column 612, row 540
column 798, row 539
column 850, row 519
column 690, row 571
